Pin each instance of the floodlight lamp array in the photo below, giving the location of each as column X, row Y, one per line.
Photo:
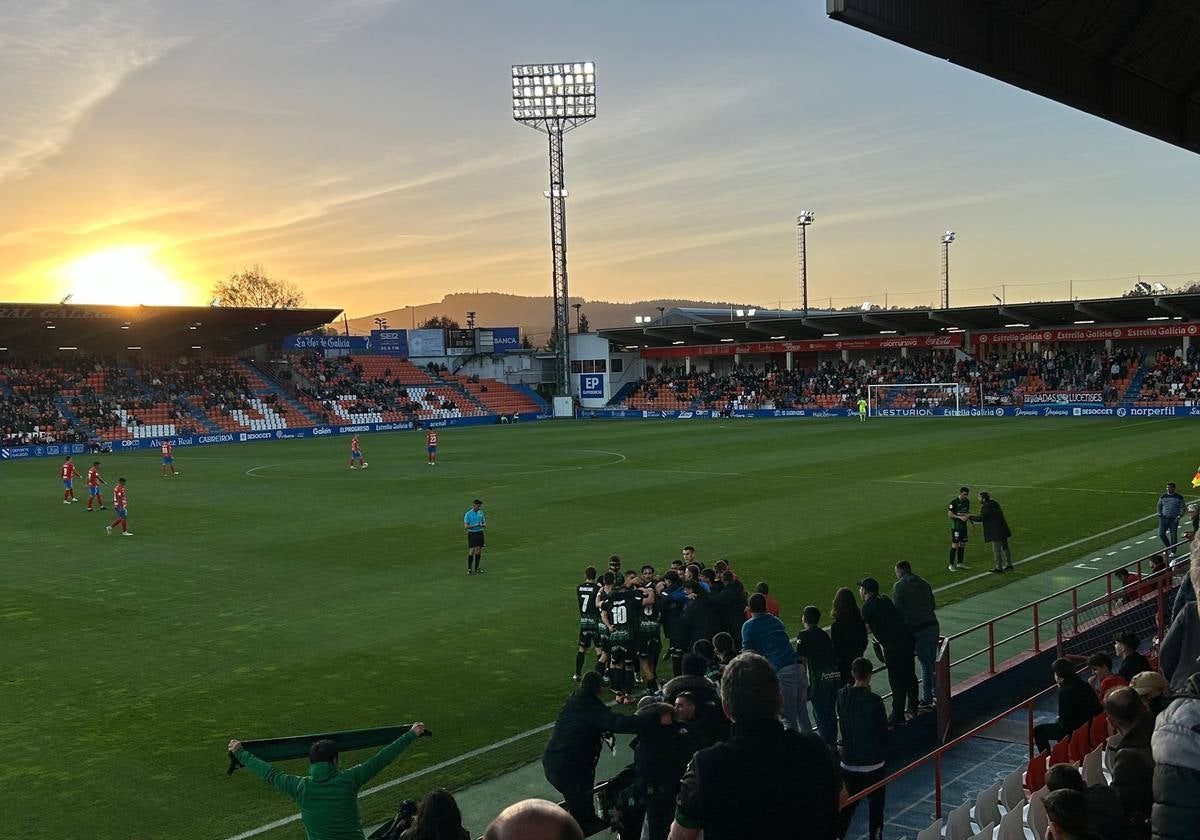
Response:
column 554, row 91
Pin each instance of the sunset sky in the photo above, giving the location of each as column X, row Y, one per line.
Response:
column 364, row 149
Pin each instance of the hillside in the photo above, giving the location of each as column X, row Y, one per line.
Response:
column 532, row 314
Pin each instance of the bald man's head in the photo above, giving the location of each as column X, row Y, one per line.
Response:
column 533, row 819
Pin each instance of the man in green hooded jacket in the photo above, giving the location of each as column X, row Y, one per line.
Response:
column 328, row 795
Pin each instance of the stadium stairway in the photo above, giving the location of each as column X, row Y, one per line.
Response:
column 1135, row 385
column 619, row 398
column 533, row 395
column 270, row 385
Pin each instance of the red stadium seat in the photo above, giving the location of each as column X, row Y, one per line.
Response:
column 1035, row 772
column 1099, row 730
column 1061, row 754
column 1080, row 745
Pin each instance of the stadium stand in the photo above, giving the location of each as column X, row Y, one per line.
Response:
column 1124, row 375
column 81, row 398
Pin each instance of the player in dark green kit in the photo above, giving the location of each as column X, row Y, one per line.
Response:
column 621, row 613
column 589, row 618
column 649, row 639
column 959, row 512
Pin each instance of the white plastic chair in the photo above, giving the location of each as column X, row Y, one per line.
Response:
column 1012, row 790
column 1091, row 770
column 987, row 809
column 958, row 823
column 1036, row 817
column 933, row 832
column 1011, row 827
column 986, row 832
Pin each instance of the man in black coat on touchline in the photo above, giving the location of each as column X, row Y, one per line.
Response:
column 995, row 531
column 569, row 760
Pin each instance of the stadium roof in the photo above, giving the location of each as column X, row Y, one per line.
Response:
column 709, row 326
column 1132, row 63
column 48, row 327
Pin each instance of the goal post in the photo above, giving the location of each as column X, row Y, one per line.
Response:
column 910, row 396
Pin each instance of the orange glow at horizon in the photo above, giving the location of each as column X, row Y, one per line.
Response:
column 125, row 276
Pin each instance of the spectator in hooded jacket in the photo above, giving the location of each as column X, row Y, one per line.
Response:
column 864, row 738
column 731, row 603
column 1179, row 653
column 1176, row 747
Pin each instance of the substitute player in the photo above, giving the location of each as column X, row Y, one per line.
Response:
column 68, row 473
column 474, row 522
column 93, row 485
column 862, row 410
column 168, row 458
column 356, row 454
column 120, row 508
column 959, row 513
column 431, row 447
column 589, row 618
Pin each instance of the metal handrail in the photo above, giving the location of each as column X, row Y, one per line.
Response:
column 936, row 755
column 1034, row 606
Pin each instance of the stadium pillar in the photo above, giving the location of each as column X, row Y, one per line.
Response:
column 687, row 364
column 845, row 355
column 789, row 361
column 1187, row 343
column 1108, row 345
column 737, row 359
column 903, row 352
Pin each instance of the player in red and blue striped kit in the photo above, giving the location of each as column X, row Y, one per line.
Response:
column 121, row 509
column 68, row 473
column 356, row 454
column 431, row 446
column 168, row 458
column 93, row 485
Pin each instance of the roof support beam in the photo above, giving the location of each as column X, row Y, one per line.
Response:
column 1171, row 307
column 1092, row 312
column 942, row 318
column 1020, row 316
column 882, row 322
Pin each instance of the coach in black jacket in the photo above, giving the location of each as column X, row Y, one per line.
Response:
column 995, row 531
column 569, row 759
column 1077, row 705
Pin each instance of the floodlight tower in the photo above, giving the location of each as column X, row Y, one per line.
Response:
column 947, row 238
column 553, row 99
column 802, row 222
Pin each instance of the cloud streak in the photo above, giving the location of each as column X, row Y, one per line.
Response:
column 59, row 61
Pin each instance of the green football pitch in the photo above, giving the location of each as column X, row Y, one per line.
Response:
column 269, row 590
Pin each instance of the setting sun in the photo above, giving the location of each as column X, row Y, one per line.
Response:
column 127, row 275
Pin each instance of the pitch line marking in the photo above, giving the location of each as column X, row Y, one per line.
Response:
column 253, row 471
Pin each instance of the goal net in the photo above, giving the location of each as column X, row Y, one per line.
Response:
column 885, row 400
